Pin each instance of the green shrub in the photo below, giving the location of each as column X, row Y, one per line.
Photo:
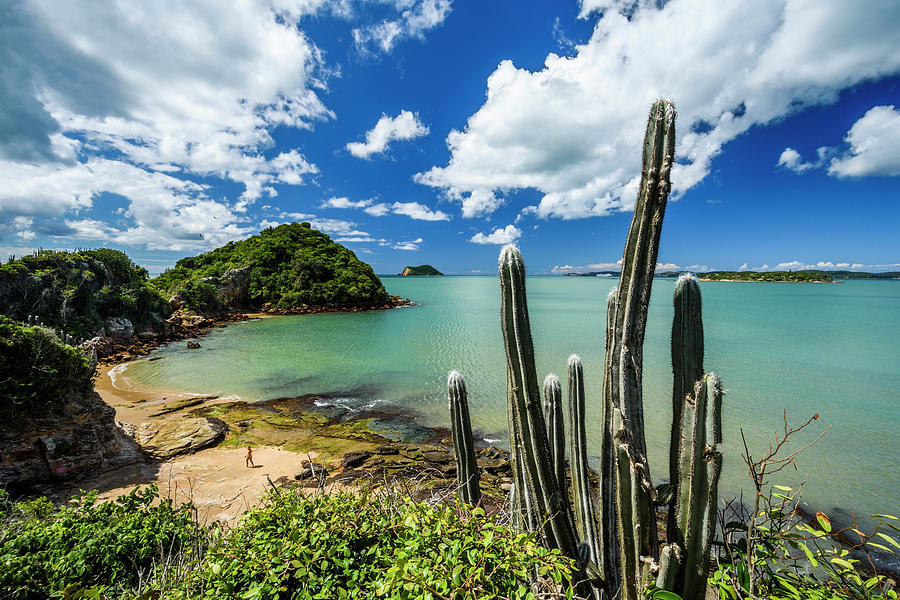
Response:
column 36, row 370
column 346, row 546
column 111, row 546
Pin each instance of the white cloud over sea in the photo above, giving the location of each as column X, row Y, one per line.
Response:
column 573, row 129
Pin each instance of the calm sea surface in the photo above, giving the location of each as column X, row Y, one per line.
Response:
column 804, row 348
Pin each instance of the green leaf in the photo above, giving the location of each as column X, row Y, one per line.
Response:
column 889, row 539
column 809, row 555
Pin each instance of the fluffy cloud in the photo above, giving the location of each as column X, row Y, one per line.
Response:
column 413, row 210
column 796, row 265
column 501, row 235
column 419, row 212
column 155, row 93
column 416, row 17
column 164, row 212
column 405, row 126
column 874, row 145
column 344, row 203
column 791, row 159
column 573, row 129
column 377, row 210
column 410, row 245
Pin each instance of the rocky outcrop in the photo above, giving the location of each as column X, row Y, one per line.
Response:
column 165, row 439
column 79, row 437
column 119, row 328
column 234, row 286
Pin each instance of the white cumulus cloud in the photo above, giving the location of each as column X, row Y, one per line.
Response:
column 419, row 212
column 573, row 129
column 409, row 245
column 131, row 97
column 501, row 235
column 405, row 126
column 874, row 145
column 415, row 18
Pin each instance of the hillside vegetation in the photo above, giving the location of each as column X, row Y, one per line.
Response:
column 420, row 270
column 791, row 276
column 78, row 291
column 37, row 370
column 286, row 266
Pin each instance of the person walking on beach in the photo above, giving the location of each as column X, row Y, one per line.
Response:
column 249, row 461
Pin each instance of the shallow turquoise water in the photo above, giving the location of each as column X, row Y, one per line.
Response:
column 804, row 348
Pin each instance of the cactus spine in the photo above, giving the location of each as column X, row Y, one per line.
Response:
column 585, row 523
column 463, row 445
column 555, row 429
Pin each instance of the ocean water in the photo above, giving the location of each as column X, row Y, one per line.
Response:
column 826, row 349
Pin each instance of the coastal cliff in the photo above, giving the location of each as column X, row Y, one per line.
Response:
column 53, row 426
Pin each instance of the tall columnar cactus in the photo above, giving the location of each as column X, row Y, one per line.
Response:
column 687, row 368
column 553, row 410
column 546, row 506
column 635, row 494
column 623, row 555
column 463, row 444
column 585, row 522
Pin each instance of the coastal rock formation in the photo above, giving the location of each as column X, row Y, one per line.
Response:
column 234, row 286
column 119, row 328
column 78, row 438
column 165, row 439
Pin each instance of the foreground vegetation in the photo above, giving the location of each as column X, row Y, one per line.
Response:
column 288, row 266
column 78, row 291
column 291, row 546
column 368, row 546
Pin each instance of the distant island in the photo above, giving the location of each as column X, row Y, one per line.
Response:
column 805, row 276
column 420, row 270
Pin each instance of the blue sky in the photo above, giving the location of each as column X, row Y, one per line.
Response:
column 433, row 131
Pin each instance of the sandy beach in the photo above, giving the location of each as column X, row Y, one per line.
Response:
column 216, row 480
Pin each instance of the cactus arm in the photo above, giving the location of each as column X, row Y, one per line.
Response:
column 639, row 265
column 548, row 508
column 607, row 525
column 669, row 567
column 705, row 468
column 463, row 444
column 625, row 358
column 553, row 410
column 585, row 521
column 687, row 368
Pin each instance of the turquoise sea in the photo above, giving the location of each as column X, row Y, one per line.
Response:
column 826, row 349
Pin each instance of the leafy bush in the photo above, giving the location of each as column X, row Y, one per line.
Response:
column 200, row 297
column 78, row 291
column 289, row 265
column 36, row 370
column 345, row 546
column 45, row 551
column 291, row 546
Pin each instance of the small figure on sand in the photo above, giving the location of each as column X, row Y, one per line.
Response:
column 249, row 461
